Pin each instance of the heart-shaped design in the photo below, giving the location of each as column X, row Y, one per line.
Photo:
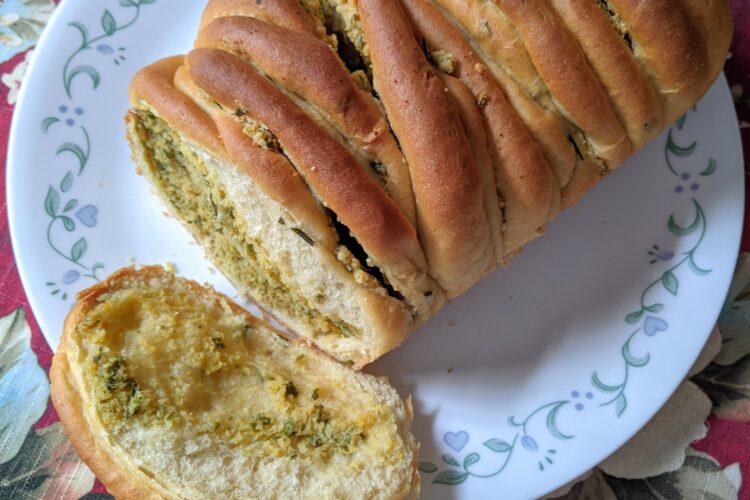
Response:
column 456, row 440
column 652, row 325
column 87, row 215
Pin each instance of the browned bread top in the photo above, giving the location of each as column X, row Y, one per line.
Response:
column 443, row 134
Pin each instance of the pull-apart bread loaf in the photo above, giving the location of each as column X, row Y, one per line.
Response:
column 169, row 390
column 353, row 164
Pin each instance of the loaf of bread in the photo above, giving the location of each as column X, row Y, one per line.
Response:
column 169, row 390
column 354, row 164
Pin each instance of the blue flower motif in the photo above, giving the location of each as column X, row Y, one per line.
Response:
column 529, row 443
column 456, row 440
column 105, row 49
column 659, row 254
column 87, row 215
column 653, row 325
column 70, row 277
column 693, row 187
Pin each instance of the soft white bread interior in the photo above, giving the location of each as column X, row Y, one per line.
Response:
column 169, row 390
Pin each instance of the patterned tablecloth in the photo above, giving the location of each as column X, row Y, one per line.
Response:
column 698, row 446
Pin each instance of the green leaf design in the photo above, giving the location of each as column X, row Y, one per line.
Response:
column 470, row 459
column 25, row 389
column 83, row 30
column 450, row 477
column 68, row 223
column 633, row 360
column 144, row 2
column 109, row 25
column 633, row 317
column 427, row 467
column 594, row 487
column 70, row 205
column 681, row 151
column 602, row 386
column 83, row 69
column 498, row 445
column 127, row 3
column 552, row 422
column 46, row 463
column 681, row 121
column 67, row 182
column 655, row 308
column 450, row 459
column 697, row 269
column 734, row 320
column 78, row 250
column 76, row 150
column 678, row 230
column 729, row 389
column 48, row 122
column 669, row 280
column 621, row 403
column 710, row 169
column 699, row 477
column 52, row 202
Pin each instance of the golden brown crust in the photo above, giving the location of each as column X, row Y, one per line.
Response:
column 491, row 30
column 319, row 77
column 524, row 178
column 287, row 13
column 713, row 19
column 671, row 49
column 474, row 127
column 329, row 169
column 447, row 185
column 154, row 84
column 627, row 86
column 566, row 72
column 270, row 170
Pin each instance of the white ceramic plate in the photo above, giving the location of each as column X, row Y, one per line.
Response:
column 532, row 377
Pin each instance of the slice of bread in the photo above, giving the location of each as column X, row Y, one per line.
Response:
column 167, row 389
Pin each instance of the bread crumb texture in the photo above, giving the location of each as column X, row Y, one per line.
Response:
column 201, row 201
column 201, row 397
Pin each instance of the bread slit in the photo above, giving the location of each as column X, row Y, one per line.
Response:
column 322, row 86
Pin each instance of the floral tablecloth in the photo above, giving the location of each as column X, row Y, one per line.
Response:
column 698, row 446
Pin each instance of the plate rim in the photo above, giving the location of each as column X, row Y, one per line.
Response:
column 12, row 155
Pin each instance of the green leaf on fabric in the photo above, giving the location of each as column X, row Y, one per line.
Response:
column 729, row 389
column 699, row 477
column 734, row 320
column 594, row 487
column 45, row 466
column 25, row 389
